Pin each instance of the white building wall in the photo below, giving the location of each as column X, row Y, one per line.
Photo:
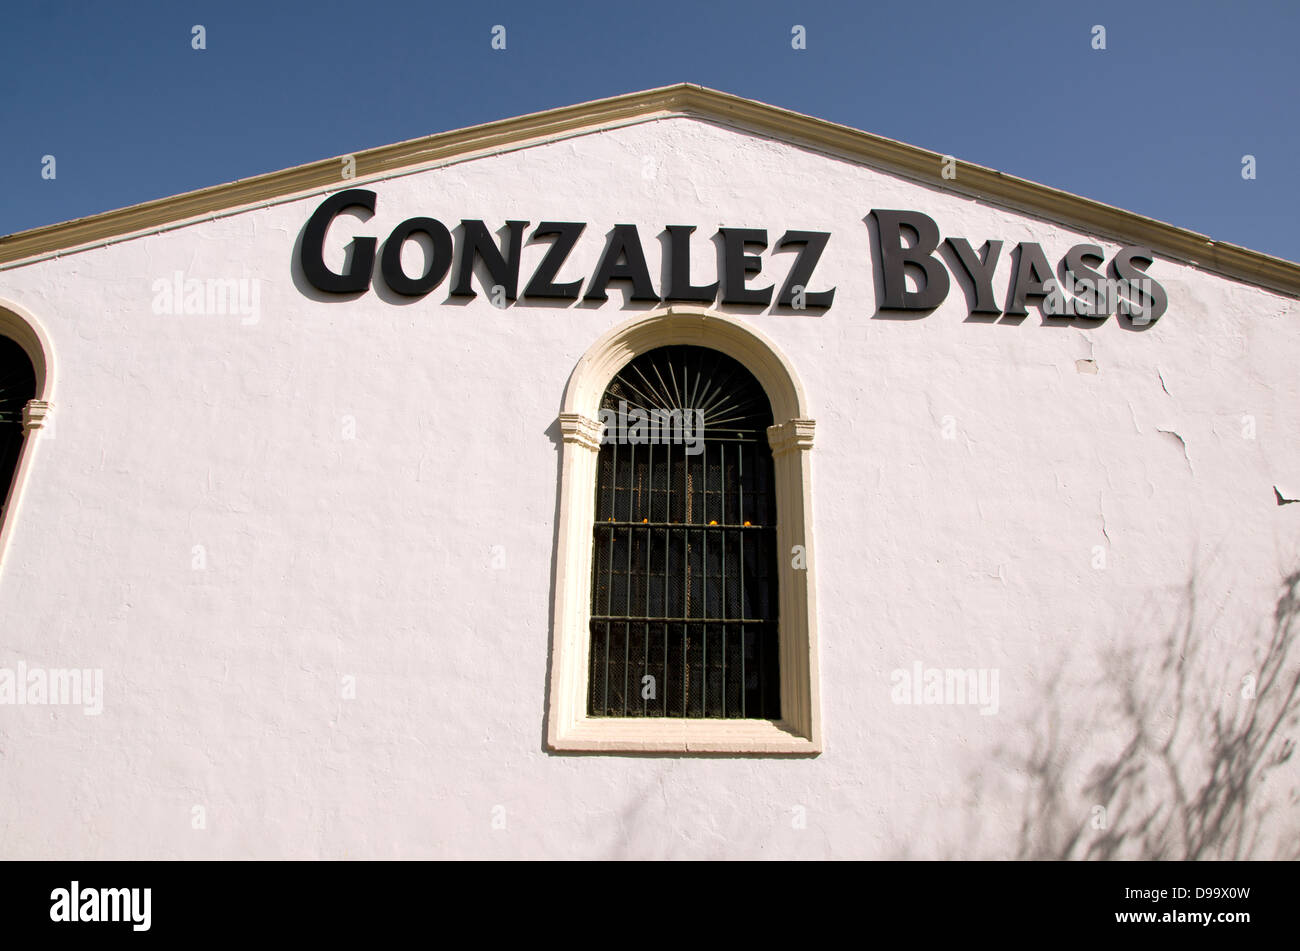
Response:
column 372, row 557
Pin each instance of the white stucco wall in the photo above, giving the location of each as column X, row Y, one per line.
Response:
column 372, row 557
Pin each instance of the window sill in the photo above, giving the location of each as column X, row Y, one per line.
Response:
column 653, row 735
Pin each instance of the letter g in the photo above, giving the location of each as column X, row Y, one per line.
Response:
column 356, row 278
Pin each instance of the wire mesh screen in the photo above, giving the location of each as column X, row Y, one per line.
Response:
column 684, row 600
column 17, row 387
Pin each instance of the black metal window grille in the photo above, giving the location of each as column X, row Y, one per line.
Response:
column 17, row 388
column 684, row 582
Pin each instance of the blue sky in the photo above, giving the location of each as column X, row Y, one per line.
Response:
column 1156, row 123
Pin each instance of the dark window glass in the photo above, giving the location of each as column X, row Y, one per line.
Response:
column 684, row 584
column 17, row 388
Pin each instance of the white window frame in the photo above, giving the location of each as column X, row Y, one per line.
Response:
column 799, row 730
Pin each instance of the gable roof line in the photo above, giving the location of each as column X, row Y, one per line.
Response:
column 168, row 214
column 682, row 99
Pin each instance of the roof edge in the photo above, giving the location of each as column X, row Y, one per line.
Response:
column 922, row 165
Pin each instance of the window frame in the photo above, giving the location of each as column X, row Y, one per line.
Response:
column 569, row 728
column 20, row 326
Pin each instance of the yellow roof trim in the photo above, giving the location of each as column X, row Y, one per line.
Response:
column 919, row 164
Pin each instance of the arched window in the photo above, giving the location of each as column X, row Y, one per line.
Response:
column 26, row 380
column 684, row 583
column 684, row 615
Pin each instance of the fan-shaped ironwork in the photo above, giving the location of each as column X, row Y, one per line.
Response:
column 731, row 401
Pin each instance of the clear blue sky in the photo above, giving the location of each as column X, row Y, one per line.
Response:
column 1157, row 123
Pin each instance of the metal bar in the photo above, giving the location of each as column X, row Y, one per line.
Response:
column 636, row 619
column 627, row 599
column 740, row 487
column 664, row 687
column 762, row 674
column 668, row 490
column 613, row 479
column 609, row 636
column 609, row 583
column 686, row 582
column 686, row 675
column 722, row 482
column 645, row 655
column 715, row 528
column 704, row 670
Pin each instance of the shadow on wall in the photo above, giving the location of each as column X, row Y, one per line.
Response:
column 1189, row 745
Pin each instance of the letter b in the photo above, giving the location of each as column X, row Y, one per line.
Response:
column 894, row 257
